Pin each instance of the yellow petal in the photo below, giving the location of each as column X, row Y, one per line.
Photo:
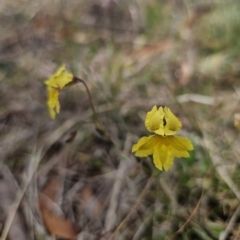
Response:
column 162, row 157
column 60, row 78
column 172, row 123
column 160, row 131
column 166, row 148
column 52, row 102
column 60, row 70
column 162, row 121
column 180, row 143
column 169, row 162
column 179, row 146
column 145, row 146
column 158, row 158
column 154, row 119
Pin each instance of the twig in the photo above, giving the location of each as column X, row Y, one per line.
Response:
column 197, row 98
column 135, row 207
column 220, row 167
column 111, row 214
column 237, row 235
column 170, row 195
column 142, row 228
column 188, row 220
column 222, row 171
column 34, row 161
column 230, row 225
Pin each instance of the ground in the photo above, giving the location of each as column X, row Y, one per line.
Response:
column 74, row 178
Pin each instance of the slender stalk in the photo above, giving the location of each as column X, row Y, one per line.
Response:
column 98, row 126
column 76, row 79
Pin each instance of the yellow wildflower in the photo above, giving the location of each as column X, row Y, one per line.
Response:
column 164, row 146
column 162, row 121
column 54, row 85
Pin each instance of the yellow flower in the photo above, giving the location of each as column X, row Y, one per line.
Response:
column 162, row 121
column 54, row 85
column 163, row 145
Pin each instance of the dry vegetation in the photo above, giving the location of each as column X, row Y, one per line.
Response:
column 62, row 179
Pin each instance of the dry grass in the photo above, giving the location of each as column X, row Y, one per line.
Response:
column 62, row 177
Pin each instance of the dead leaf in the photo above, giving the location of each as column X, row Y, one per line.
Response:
column 51, row 188
column 186, row 72
column 90, row 202
column 149, row 51
column 58, row 226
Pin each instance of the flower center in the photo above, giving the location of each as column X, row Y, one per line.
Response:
column 164, row 122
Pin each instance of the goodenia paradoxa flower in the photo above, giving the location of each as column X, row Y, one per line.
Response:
column 54, row 85
column 162, row 121
column 164, row 146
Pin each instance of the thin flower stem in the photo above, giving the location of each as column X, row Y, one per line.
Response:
column 98, row 126
column 76, row 79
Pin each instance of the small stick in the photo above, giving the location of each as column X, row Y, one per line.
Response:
column 125, row 220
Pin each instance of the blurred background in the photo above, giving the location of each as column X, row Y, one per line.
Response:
column 68, row 180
